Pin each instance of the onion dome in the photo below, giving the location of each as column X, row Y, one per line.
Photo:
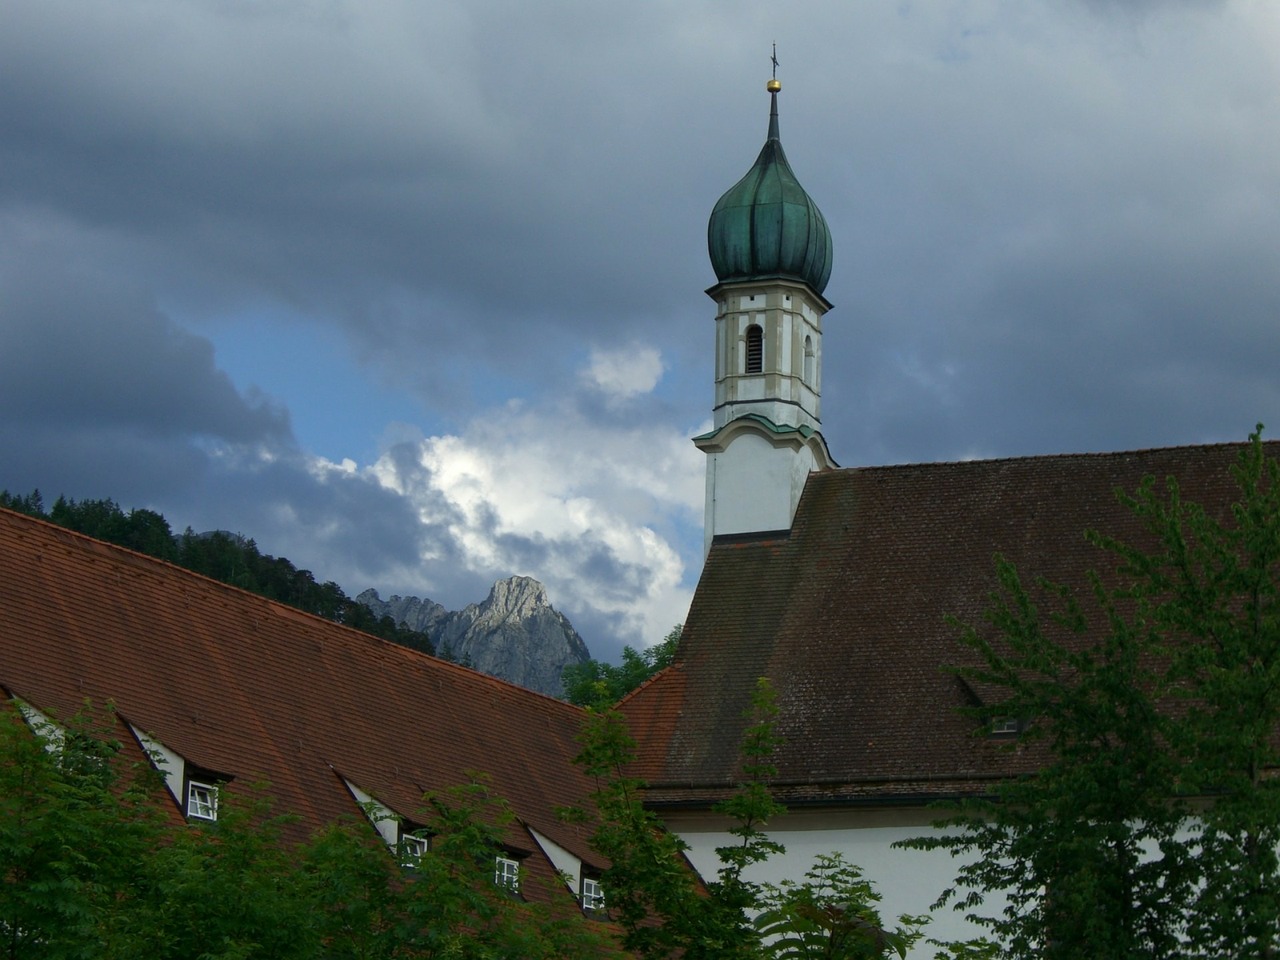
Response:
column 766, row 226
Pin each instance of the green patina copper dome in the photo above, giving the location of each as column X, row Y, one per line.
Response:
column 766, row 226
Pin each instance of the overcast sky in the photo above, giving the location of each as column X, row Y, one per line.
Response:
column 412, row 292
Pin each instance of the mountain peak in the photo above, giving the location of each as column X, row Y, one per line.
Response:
column 514, row 634
column 516, row 596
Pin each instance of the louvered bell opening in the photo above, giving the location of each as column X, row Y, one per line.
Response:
column 755, row 349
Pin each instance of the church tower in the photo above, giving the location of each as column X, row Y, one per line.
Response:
column 771, row 251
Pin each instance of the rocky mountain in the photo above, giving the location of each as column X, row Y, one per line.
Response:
column 515, row 634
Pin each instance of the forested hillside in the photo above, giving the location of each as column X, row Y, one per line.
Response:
column 227, row 557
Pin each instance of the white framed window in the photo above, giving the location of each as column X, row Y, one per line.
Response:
column 1005, row 726
column 413, row 848
column 592, row 894
column 202, row 800
column 506, row 873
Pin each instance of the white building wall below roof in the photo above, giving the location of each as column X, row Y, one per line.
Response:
column 754, row 485
column 909, row 880
column 173, row 766
column 570, row 867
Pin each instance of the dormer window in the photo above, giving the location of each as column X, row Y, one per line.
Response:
column 202, row 800
column 755, row 349
column 592, row 896
column 1006, row 727
column 506, row 873
column 413, row 847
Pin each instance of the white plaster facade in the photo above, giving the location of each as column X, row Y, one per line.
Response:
column 908, row 880
column 766, row 437
column 755, row 475
column 787, row 389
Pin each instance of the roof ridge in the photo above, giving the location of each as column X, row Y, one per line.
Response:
column 1079, row 455
column 647, row 682
column 169, row 569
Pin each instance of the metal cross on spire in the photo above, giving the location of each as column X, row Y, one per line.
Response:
column 774, row 58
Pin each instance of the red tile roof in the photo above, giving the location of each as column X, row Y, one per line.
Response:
column 256, row 690
column 846, row 616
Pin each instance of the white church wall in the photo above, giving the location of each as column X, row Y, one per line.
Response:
column 909, row 880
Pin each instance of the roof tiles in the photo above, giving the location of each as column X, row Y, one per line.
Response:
column 848, row 618
column 252, row 689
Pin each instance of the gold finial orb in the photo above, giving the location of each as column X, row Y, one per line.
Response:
column 774, row 85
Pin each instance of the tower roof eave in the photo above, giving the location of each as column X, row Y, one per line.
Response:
column 715, row 291
column 778, row 434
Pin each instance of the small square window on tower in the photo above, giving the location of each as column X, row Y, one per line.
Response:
column 202, row 800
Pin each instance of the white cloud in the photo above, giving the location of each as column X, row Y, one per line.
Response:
column 586, row 508
column 625, row 373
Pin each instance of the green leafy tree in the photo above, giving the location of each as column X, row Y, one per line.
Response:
column 91, row 869
column 143, row 530
column 227, row 890
column 450, row 905
column 649, row 889
column 1218, row 580
column 598, row 684
column 1149, row 826
column 72, row 845
column 833, row 914
column 665, row 911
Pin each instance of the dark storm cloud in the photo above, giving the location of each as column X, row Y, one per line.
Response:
column 101, row 394
column 442, row 182
column 82, row 349
column 395, row 172
column 1102, row 329
column 343, row 526
column 601, row 572
column 328, row 160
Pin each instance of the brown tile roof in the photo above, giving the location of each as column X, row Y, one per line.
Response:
column 846, row 616
column 247, row 687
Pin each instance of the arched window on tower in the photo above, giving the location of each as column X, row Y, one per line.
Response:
column 808, row 361
column 755, row 349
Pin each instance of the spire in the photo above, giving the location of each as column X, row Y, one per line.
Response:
column 766, row 226
column 773, row 86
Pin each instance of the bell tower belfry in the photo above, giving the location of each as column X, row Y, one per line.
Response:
column 771, row 251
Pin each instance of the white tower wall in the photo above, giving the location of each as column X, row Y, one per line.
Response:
column 786, row 389
column 766, row 438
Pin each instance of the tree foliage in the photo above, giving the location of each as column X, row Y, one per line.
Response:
column 1150, row 829
column 597, row 684
column 666, row 911
column 92, row 869
column 832, row 913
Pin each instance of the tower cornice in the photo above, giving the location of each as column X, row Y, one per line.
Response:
column 720, row 290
